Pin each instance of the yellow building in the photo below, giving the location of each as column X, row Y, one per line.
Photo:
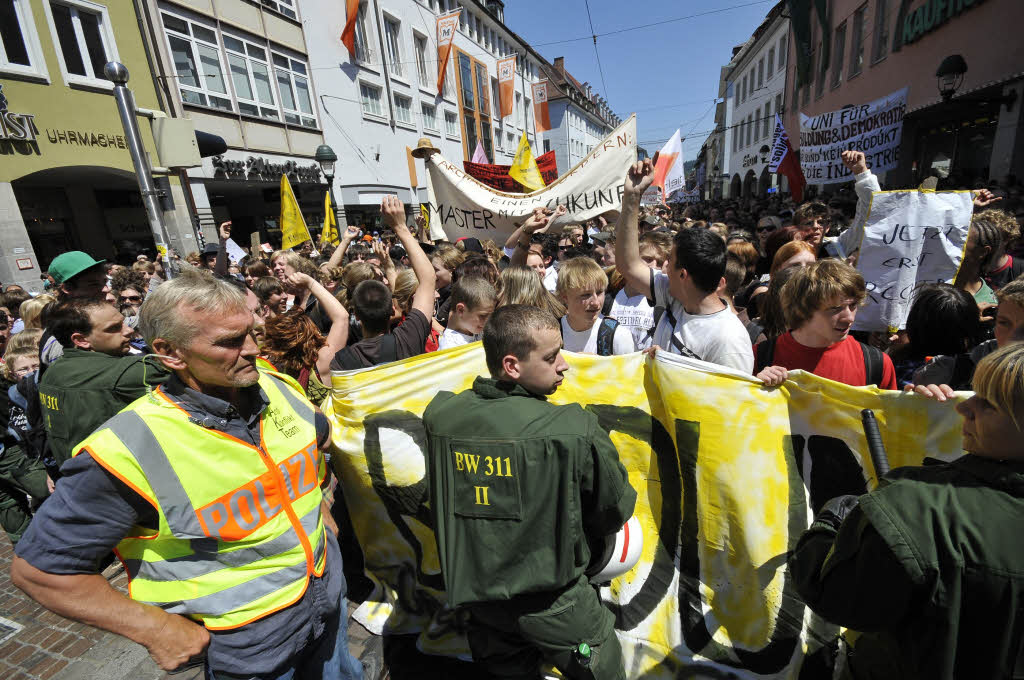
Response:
column 66, row 176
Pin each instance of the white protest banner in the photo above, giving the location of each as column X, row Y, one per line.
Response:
column 911, row 238
column 874, row 128
column 235, row 252
column 462, row 206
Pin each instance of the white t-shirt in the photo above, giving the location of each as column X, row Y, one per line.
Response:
column 454, row 338
column 585, row 342
column 551, row 277
column 719, row 338
column 636, row 314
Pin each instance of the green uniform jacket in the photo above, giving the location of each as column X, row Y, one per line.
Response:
column 517, row 486
column 83, row 389
column 932, row 565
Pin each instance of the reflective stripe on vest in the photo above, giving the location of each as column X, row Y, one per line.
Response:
column 196, row 552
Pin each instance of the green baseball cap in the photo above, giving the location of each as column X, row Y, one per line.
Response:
column 68, row 265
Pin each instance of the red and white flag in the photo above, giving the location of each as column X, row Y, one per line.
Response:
column 668, row 172
column 446, row 27
column 784, row 161
column 540, row 106
column 479, row 156
column 506, row 84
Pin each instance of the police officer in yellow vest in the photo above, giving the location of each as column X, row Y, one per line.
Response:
column 208, row 490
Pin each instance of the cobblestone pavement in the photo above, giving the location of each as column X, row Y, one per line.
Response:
column 36, row 644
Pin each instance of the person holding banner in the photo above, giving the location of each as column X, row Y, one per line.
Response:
column 519, row 491
column 928, row 565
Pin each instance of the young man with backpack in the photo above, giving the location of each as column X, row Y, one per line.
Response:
column 581, row 286
column 820, row 304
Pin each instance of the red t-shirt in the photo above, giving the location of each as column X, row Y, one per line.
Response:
column 842, row 362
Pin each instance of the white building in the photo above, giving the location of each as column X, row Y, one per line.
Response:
column 240, row 70
column 579, row 117
column 381, row 100
column 754, row 84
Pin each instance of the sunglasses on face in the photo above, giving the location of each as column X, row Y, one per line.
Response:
column 761, row 230
column 131, row 298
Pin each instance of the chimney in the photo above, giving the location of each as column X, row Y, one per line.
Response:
column 560, row 64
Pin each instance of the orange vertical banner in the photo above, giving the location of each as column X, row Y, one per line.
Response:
column 413, row 180
column 348, row 34
column 446, row 26
column 540, row 106
column 506, row 83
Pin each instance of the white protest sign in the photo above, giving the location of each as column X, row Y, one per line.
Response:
column 462, row 206
column 911, row 238
column 235, row 252
column 875, row 128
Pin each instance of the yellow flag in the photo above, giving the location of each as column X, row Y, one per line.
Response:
column 330, row 231
column 425, row 212
column 524, row 169
column 293, row 227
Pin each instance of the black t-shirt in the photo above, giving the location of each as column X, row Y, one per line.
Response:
column 410, row 337
column 1013, row 268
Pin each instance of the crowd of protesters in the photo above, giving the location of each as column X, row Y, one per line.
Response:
column 760, row 286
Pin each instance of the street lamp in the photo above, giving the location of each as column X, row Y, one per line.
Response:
column 951, row 75
column 326, row 157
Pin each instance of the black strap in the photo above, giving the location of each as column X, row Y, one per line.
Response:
column 874, row 363
column 609, row 300
column 605, row 337
column 764, row 355
column 388, row 349
column 676, row 342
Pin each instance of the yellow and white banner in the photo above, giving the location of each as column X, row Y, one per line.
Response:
column 463, row 206
column 726, row 472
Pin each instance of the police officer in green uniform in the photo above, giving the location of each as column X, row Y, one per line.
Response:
column 95, row 378
column 519, row 488
column 930, row 565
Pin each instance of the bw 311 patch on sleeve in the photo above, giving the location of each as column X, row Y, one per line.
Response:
column 487, row 480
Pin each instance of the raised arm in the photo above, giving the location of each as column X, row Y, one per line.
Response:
column 351, row 233
column 220, row 268
column 866, row 184
column 537, row 223
column 337, row 337
column 380, row 249
column 394, row 216
column 627, row 235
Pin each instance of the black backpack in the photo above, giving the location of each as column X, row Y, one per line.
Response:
column 605, row 336
column 874, row 362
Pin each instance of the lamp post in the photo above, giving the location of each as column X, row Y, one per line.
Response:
column 117, row 73
column 327, row 159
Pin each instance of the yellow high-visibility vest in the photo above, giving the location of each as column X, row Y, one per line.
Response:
column 240, row 530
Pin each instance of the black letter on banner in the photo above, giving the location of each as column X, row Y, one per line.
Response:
column 834, row 469
column 786, row 632
column 400, row 501
column 635, row 423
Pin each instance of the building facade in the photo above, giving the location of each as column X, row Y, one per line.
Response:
column 240, row 70
column 880, row 46
column 66, row 176
column 753, row 92
column 382, row 99
column 580, row 118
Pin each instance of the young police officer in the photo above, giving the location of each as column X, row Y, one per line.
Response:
column 517, row 487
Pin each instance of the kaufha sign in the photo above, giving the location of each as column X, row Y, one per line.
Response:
column 911, row 238
column 931, row 15
column 460, row 205
column 876, row 128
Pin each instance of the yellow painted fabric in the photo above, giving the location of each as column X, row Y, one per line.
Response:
column 723, row 468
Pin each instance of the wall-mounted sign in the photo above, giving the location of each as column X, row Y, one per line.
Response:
column 931, row 15
column 16, row 127
column 256, row 168
column 86, row 138
column 24, row 263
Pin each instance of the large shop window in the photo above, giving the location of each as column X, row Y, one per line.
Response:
column 83, row 33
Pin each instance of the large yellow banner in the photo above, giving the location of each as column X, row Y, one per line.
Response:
column 727, row 475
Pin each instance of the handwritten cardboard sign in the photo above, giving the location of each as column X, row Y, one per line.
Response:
column 910, row 238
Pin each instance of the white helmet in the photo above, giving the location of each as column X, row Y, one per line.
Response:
column 621, row 552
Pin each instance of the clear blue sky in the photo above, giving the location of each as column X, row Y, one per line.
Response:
column 667, row 73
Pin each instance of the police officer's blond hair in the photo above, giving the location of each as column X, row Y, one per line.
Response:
column 999, row 380
column 161, row 317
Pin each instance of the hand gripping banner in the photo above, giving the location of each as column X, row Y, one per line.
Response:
column 727, row 473
column 462, row 206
